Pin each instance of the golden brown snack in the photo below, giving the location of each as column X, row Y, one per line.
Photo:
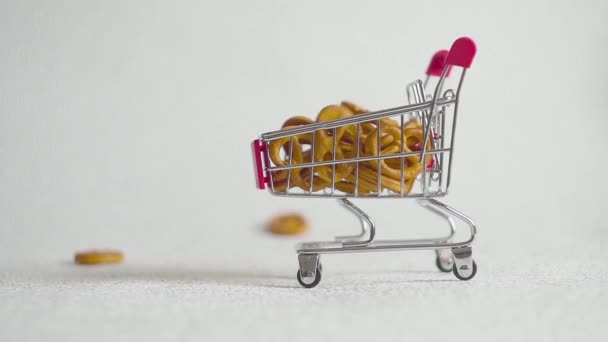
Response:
column 355, row 108
column 288, row 224
column 368, row 182
column 341, row 143
column 95, row 257
column 367, row 126
column 297, row 121
column 392, row 167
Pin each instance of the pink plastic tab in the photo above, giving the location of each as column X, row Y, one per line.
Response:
column 257, row 148
column 462, row 52
column 438, row 63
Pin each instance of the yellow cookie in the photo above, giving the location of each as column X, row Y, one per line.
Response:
column 94, row 257
column 288, row 224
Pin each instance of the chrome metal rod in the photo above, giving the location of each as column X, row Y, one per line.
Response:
column 377, row 246
column 339, row 196
column 333, row 165
column 312, row 158
column 364, row 217
column 290, row 163
column 450, row 219
column 451, row 211
column 364, row 226
column 351, row 160
column 387, row 245
column 434, row 103
column 378, row 163
column 402, row 188
column 357, row 163
column 454, row 128
column 354, row 119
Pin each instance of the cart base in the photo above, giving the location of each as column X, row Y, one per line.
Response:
column 450, row 256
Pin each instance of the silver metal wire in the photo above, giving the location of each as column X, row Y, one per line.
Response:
column 290, row 163
column 402, row 158
column 350, row 160
column 269, row 136
column 357, row 162
column 312, row 158
column 378, row 167
column 454, row 126
column 333, row 166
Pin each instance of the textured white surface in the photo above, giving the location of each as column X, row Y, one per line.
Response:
column 127, row 125
column 517, row 296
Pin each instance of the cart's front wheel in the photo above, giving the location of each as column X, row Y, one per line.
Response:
column 310, row 282
column 469, row 277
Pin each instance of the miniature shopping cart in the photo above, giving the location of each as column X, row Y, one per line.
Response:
column 435, row 114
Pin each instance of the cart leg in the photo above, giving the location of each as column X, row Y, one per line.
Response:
column 368, row 227
column 447, row 210
column 464, row 267
column 443, row 257
column 309, row 274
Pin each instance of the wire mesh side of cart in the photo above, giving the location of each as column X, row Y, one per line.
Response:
column 435, row 114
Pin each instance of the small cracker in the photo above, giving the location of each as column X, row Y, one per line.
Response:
column 96, row 257
column 288, row 224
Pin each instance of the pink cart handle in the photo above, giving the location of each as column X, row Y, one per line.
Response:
column 257, row 148
column 462, row 52
column 437, row 64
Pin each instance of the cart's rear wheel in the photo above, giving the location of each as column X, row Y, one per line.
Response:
column 307, row 283
column 444, row 260
column 455, row 269
column 442, row 266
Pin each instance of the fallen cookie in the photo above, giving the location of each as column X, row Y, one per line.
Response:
column 288, row 224
column 96, row 257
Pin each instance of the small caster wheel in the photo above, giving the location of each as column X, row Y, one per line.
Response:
column 455, row 269
column 443, row 266
column 308, row 282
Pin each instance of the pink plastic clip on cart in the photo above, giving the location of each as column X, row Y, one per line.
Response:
column 437, row 113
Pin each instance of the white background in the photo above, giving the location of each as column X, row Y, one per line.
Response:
column 127, row 125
